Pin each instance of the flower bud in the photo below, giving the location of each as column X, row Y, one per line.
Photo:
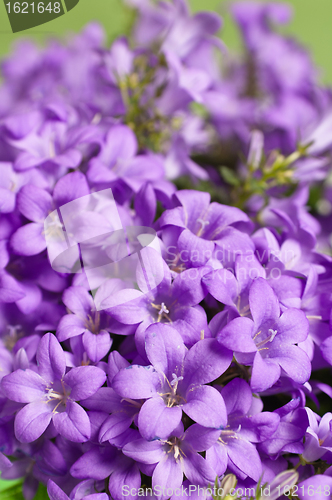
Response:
column 228, row 483
column 284, row 480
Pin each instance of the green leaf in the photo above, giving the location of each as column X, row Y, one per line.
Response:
column 4, row 484
column 12, row 490
column 41, row 493
column 199, row 110
column 229, row 176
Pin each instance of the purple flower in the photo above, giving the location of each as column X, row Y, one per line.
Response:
column 56, row 493
column 319, row 486
column 51, row 394
column 174, row 302
column 123, row 410
column 175, row 381
column 175, row 456
column 117, row 162
column 318, row 439
column 11, row 182
column 101, row 462
column 36, row 204
column 267, row 341
column 85, row 321
column 56, row 144
column 200, row 226
column 289, row 435
column 236, row 445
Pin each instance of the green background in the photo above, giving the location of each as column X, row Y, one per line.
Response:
column 312, row 25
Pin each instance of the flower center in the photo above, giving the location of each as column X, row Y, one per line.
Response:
column 162, row 312
column 85, row 360
column 227, row 434
column 54, row 227
column 202, row 223
column 14, row 333
column 57, row 396
column 269, row 338
column 52, row 394
column 171, row 398
column 175, row 381
column 93, row 322
column 174, row 448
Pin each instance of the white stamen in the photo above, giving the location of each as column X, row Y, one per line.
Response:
column 51, row 394
column 203, row 223
column 273, row 334
column 13, row 329
column 175, row 380
column 51, row 149
column 163, row 309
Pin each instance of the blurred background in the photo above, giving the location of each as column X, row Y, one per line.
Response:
column 312, row 25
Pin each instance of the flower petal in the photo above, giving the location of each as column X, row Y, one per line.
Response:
column 205, row 362
column 70, row 187
column 126, row 475
column 84, row 381
column 293, row 360
column 245, row 457
column 264, row 305
column 265, row 373
column 167, row 475
column 32, row 421
column 197, row 470
column 237, row 396
column 51, row 358
column 69, row 326
column 147, row 452
column 32, row 299
column 29, row 239
column 201, row 438
column 24, row 386
column 73, row 424
column 79, row 301
column 34, row 203
column 292, row 327
column 164, row 420
column 206, row 406
column 54, row 492
column 136, row 382
column 165, row 349
column 114, row 425
column 97, row 463
column 97, row 346
column 237, row 335
column 10, row 289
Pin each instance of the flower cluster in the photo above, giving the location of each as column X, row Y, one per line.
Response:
column 198, row 366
